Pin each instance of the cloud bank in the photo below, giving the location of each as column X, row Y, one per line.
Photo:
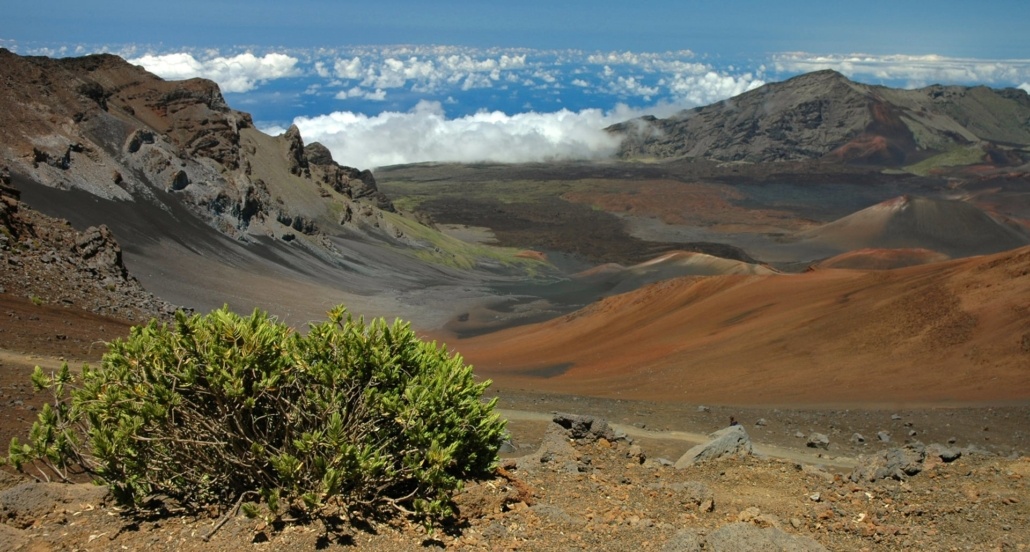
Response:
column 911, row 71
column 426, row 134
column 239, row 73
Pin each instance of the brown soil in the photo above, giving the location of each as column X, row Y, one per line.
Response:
column 596, row 495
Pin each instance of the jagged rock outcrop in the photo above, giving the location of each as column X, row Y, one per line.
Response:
column 351, row 182
column 46, row 260
column 825, row 115
column 118, row 132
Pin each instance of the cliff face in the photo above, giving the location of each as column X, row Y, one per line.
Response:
column 825, row 115
column 101, row 125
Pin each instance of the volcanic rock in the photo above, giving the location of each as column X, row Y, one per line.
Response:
column 731, row 441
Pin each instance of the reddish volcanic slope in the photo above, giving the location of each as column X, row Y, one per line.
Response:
column 946, row 333
column 882, row 259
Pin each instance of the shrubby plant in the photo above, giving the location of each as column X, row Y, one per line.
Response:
column 219, row 408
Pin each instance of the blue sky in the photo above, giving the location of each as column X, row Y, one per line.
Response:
column 400, row 81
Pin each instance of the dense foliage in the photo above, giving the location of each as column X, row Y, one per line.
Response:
column 217, row 408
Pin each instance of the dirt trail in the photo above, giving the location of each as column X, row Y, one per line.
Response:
column 692, row 438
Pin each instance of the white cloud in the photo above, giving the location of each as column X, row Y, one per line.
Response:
column 694, row 90
column 348, row 68
column 1025, row 87
column 376, row 95
column 630, row 86
column 426, row 134
column 913, row 71
column 240, row 73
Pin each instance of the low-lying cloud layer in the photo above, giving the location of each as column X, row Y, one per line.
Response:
column 426, row 134
column 911, row 71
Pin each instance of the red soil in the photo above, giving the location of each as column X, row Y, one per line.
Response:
column 883, row 259
column 948, row 333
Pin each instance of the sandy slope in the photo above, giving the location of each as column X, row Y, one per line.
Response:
column 944, row 333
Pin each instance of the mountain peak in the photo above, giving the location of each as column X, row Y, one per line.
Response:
column 823, row 114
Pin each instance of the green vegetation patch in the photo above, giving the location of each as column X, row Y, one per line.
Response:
column 349, row 419
column 956, row 157
column 441, row 249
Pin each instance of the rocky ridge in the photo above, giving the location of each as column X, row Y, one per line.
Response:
column 101, row 125
column 824, row 115
column 46, row 261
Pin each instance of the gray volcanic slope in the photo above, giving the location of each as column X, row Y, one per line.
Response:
column 825, row 114
column 952, row 227
column 209, row 210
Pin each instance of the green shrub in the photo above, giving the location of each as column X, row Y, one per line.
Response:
column 348, row 418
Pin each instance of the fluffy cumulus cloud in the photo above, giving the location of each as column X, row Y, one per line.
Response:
column 239, row 73
column 709, row 87
column 910, row 70
column 426, row 134
column 669, row 77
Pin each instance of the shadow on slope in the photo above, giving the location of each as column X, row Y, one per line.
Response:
column 526, row 302
column 954, row 228
column 187, row 262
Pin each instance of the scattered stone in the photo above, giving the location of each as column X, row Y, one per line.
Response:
column 556, row 515
column 858, row 439
column 741, row 536
column 799, row 435
column 694, row 494
column 895, row 416
column 760, row 422
column 703, row 408
column 883, row 436
column 818, row 440
column 896, row 463
column 749, row 514
column 637, row 453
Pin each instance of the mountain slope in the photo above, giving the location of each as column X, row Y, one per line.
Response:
column 952, row 227
column 208, row 209
column 943, row 333
column 823, row 114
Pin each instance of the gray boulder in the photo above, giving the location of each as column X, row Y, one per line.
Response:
column 896, row 463
column 818, row 440
column 584, row 427
column 731, row 441
column 944, row 452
